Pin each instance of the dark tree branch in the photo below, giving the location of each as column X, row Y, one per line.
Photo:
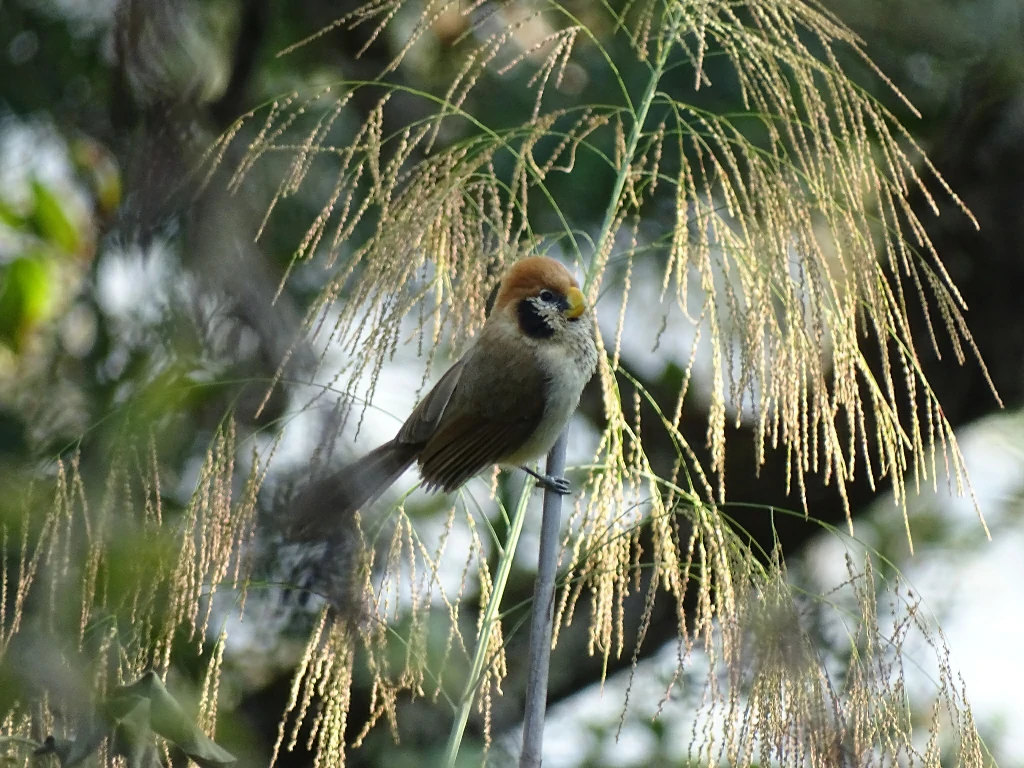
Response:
column 252, row 32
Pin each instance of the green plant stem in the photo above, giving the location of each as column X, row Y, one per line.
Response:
column 489, row 619
column 627, row 160
column 543, row 615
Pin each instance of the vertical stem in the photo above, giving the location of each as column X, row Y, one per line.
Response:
column 542, row 619
column 490, row 617
column 627, row 160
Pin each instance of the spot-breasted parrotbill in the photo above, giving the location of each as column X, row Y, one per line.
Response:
column 504, row 402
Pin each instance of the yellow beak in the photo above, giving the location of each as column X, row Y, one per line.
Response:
column 577, row 304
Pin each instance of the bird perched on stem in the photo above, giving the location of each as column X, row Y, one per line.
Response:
column 504, row 402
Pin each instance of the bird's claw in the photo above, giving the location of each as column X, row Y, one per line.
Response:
column 559, row 485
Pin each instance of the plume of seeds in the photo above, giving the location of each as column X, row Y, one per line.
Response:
column 325, row 671
column 392, row 637
column 100, row 568
column 803, row 250
column 782, row 702
column 213, row 530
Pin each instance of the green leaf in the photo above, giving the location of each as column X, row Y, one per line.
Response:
column 11, row 217
column 24, row 299
column 133, row 737
column 93, row 159
column 50, row 221
column 131, row 716
column 169, row 720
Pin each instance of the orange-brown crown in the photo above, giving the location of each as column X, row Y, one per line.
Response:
column 529, row 276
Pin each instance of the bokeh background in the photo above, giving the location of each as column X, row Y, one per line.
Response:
column 120, row 286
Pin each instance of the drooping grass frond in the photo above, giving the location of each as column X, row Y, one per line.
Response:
column 794, row 249
column 781, row 233
column 790, row 241
column 781, row 701
column 135, row 576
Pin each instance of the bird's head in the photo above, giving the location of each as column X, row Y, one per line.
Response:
column 542, row 296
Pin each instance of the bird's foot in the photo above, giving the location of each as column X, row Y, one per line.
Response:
column 551, row 483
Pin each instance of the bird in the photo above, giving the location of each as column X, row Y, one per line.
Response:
column 504, row 402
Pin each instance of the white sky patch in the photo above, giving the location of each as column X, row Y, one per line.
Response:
column 135, row 283
column 978, row 585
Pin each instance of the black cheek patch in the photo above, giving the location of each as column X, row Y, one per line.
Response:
column 531, row 323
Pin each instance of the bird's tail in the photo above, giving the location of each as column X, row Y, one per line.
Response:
column 334, row 498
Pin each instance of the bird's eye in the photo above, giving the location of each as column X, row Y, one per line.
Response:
column 547, row 296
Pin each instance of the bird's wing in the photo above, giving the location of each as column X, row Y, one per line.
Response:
column 427, row 414
column 467, row 446
column 493, row 411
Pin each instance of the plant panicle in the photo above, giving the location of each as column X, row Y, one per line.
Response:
column 796, row 257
